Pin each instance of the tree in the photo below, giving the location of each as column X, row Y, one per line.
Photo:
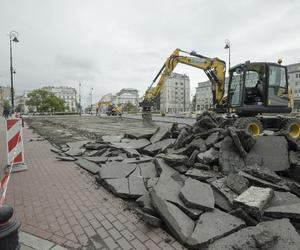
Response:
column 19, row 108
column 44, row 101
column 129, row 107
column 6, row 105
column 194, row 103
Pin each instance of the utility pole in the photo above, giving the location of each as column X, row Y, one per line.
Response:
column 12, row 38
column 91, row 101
column 79, row 97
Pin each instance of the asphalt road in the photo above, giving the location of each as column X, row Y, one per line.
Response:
column 169, row 119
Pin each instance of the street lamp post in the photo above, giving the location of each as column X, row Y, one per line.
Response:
column 228, row 46
column 91, row 101
column 79, row 98
column 12, row 38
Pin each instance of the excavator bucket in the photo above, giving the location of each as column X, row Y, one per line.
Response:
column 147, row 118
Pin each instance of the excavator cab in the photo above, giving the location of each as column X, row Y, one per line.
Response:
column 256, row 88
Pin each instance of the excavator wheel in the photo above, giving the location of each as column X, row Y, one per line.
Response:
column 292, row 127
column 251, row 124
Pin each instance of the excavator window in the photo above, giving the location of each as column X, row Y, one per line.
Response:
column 236, row 87
column 277, row 90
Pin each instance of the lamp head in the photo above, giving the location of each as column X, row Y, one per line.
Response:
column 15, row 40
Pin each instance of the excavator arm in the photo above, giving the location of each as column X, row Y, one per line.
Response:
column 214, row 68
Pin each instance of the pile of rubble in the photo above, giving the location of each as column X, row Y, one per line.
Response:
column 211, row 187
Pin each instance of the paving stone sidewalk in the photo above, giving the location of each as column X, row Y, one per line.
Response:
column 60, row 202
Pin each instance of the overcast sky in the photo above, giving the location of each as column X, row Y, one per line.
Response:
column 113, row 44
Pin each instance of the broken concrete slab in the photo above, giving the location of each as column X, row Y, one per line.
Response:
column 240, row 213
column 142, row 158
column 237, row 183
column 162, row 168
column 221, row 187
column 66, row 158
column 274, row 151
column 174, row 158
column 201, row 166
column 156, row 147
column 149, row 218
column 283, row 198
column 115, row 158
column 148, row 170
column 161, row 133
column 212, row 139
column 116, row 170
column 135, row 144
column 247, row 139
column 193, row 158
column 75, row 151
column 94, row 146
column 130, row 152
column 168, row 189
column 199, row 144
column 111, row 138
column 96, row 159
column 91, row 167
column 136, row 186
column 212, row 226
column 237, row 142
column 180, row 225
column 208, row 157
column 263, row 183
column 77, row 144
column 196, row 194
column 254, row 198
column 146, row 204
column 230, row 159
column 202, row 175
column 275, row 235
column 56, row 150
column 294, row 157
column 151, row 183
column 291, row 211
column 140, row 134
column 263, row 173
column 119, row 187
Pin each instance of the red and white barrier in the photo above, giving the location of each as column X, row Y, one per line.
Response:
column 14, row 140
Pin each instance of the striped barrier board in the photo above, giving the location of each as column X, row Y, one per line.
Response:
column 14, row 140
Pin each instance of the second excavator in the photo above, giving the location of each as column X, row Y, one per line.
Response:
column 258, row 94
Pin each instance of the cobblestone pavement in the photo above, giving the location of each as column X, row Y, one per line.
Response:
column 57, row 201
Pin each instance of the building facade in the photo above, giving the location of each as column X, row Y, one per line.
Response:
column 175, row 94
column 126, row 95
column 203, row 96
column 294, row 81
column 68, row 94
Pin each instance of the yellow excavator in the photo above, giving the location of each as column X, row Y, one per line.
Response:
column 258, row 94
column 112, row 110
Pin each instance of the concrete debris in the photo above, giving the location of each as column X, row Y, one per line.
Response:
column 237, row 183
column 91, row 167
column 291, row 211
column 254, row 198
column 196, row 194
column 149, row 218
column 230, row 159
column 174, row 158
column 96, row 159
column 202, row 175
column 213, row 225
column 160, row 134
column 263, row 173
column 66, row 158
column 275, row 235
column 208, row 157
column 157, row 147
column 203, row 182
column 294, row 159
column 263, row 183
column 274, row 152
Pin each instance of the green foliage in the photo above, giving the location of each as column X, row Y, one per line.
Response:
column 194, row 103
column 129, row 107
column 44, row 101
column 18, row 108
column 6, row 105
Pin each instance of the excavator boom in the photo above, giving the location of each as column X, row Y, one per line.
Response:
column 214, row 68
